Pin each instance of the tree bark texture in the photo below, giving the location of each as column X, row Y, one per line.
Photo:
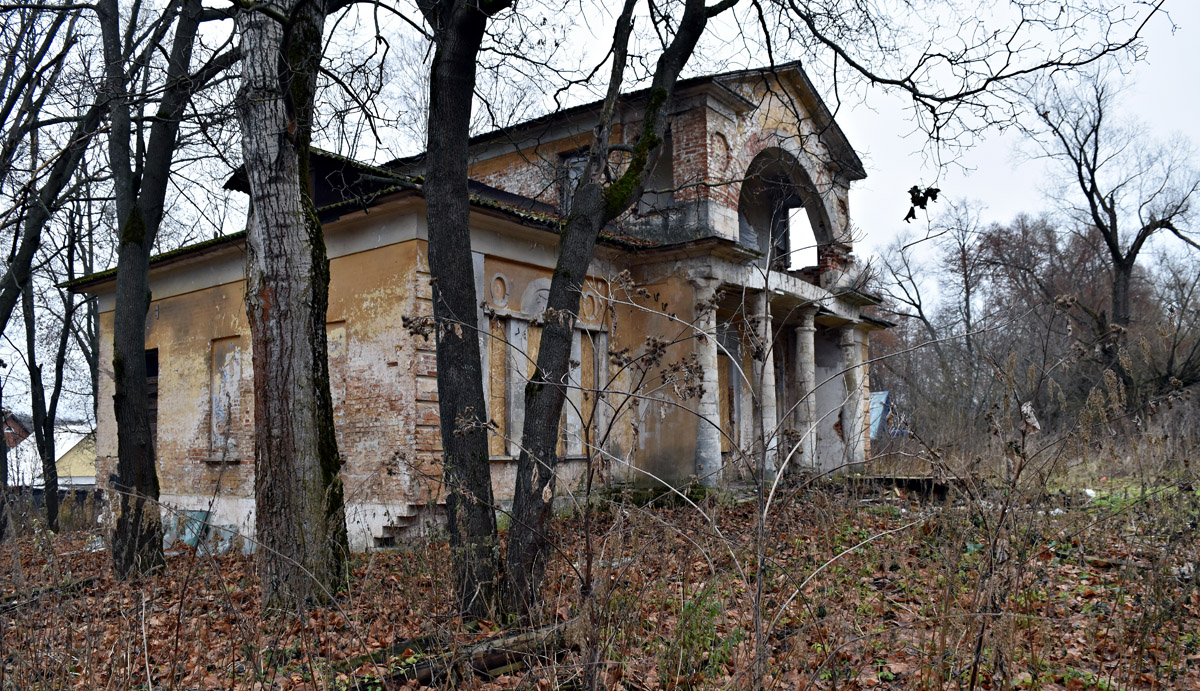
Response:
column 137, row 534
column 140, row 181
column 43, row 418
column 470, row 508
column 300, row 520
column 1122, row 278
column 593, row 206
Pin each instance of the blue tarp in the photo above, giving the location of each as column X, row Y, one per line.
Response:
column 881, row 407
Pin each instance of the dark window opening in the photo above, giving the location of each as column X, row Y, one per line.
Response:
column 152, row 395
column 152, row 363
column 570, row 173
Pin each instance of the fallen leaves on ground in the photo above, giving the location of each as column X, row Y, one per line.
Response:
column 857, row 593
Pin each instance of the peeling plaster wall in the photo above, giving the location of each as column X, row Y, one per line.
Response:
column 373, row 361
column 713, row 146
column 383, row 376
column 657, row 431
column 780, row 120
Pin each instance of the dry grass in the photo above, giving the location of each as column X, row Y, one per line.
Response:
column 1066, row 596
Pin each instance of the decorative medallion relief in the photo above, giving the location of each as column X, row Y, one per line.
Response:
column 499, row 290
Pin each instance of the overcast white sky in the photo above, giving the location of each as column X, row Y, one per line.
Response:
column 1164, row 96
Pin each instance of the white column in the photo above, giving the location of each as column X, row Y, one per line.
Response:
column 484, row 327
column 764, row 366
column 574, row 423
column 804, row 380
column 602, row 384
column 518, row 365
column 852, row 404
column 708, row 431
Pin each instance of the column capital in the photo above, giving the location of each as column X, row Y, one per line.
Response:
column 705, row 286
column 706, row 289
column 848, row 336
column 808, row 317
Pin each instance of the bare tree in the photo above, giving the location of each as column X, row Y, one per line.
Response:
column 936, row 287
column 1172, row 348
column 39, row 151
column 141, row 152
column 300, row 518
column 964, row 65
column 601, row 195
column 1116, row 183
column 458, row 34
column 949, row 87
column 45, row 412
column 37, row 43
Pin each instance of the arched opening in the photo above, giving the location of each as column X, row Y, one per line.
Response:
column 779, row 212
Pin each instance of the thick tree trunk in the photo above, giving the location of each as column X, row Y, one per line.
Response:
column 300, row 520
column 140, row 198
column 1115, row 341
column 137, row 538
column 544, row 396
column 1122, row 278
column 470, row 510
column 43, row 419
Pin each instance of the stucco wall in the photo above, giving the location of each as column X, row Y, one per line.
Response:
column 383, row 375
column 657, row 430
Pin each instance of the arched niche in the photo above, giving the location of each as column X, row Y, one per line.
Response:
column 780, row 212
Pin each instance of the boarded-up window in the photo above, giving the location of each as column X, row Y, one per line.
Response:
column 496, row 380
column 226, row 377
column 725, row 399
column 587, row 382
column 512, row 359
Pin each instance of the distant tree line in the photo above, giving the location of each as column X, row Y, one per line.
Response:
column 1050, row 309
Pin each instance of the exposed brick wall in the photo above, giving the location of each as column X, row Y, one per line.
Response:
column 689, row 137
column 713, row 148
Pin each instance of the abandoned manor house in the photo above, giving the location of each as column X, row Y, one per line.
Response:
column 749, row 199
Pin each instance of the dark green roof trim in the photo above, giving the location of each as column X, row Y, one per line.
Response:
column 355, row 162
column 194, row 248
column 543, row 220
column 556, row 223
column 237, row 181
column 881, row 323
column 363, row 202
